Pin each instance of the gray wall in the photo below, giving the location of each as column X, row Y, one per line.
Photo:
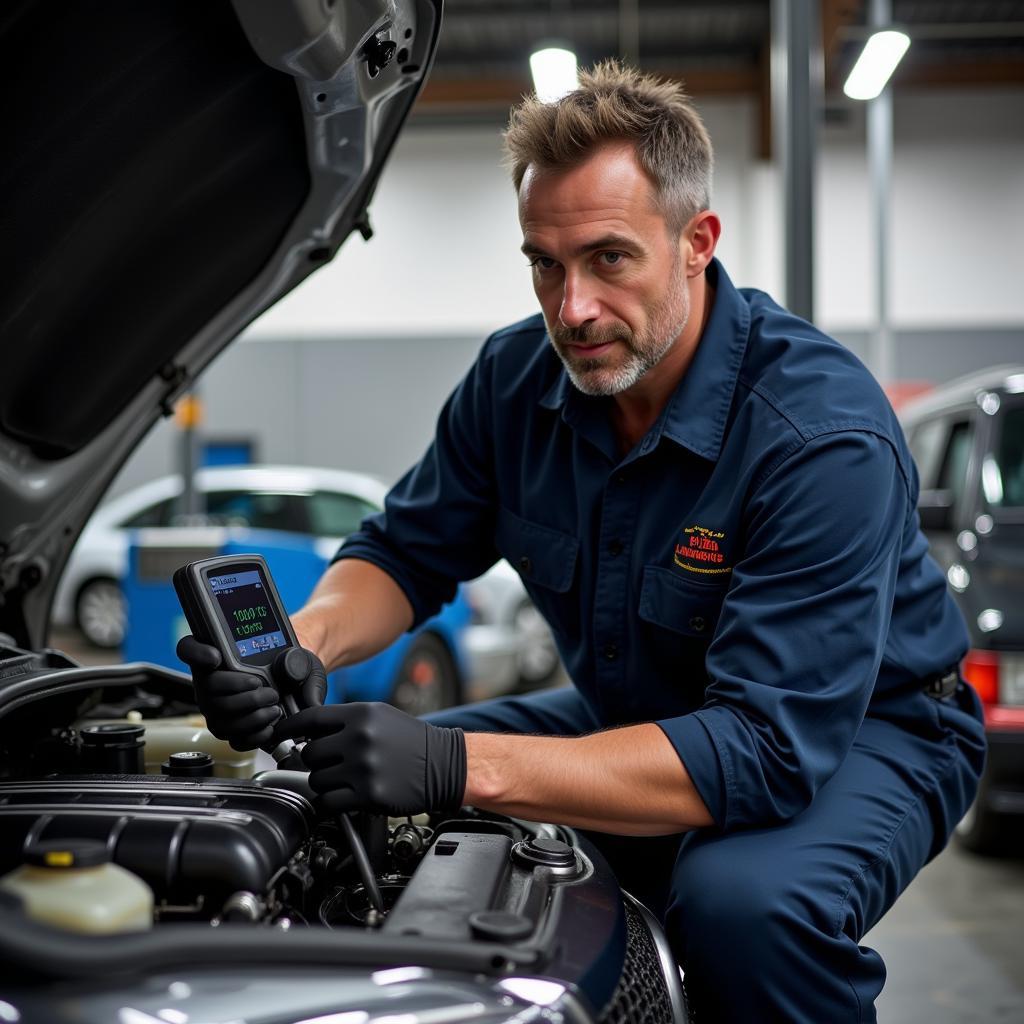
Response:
column 935, row 356
column 371, row 404
column 351, row 369
column 360, row 404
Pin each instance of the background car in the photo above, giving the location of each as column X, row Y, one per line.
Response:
column 419, row 672
column 506, row 645
column 509, row 645
column 967, row 439
column 327, row 504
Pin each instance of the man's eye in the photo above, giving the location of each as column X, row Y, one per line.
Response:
column 611, row 259
column 543, row 262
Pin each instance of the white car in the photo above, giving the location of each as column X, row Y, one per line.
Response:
column 326, row 503
column 509, row 645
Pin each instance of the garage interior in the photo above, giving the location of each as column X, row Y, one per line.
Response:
column 362, row 355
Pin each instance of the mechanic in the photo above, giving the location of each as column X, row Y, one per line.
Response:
column 712, row 504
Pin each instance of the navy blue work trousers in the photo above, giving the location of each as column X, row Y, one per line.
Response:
column 767, row 922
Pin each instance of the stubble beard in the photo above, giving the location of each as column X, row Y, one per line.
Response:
column 600, row 376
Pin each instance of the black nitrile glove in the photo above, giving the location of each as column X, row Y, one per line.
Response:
column 373, row 757
column 240, row 707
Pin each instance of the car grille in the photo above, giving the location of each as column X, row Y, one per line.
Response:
column 641, row 997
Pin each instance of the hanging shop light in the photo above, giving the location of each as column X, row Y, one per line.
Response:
column 876, row 63
column 554, row 72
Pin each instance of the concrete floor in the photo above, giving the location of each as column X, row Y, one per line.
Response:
column 953, row 943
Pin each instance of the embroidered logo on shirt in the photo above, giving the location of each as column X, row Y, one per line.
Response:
column 700, row 551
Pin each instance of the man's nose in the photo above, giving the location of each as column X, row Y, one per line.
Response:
column 579, row 302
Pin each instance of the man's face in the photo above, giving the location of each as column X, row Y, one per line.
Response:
column 608, row 276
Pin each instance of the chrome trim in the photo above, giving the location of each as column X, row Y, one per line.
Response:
column 669, row 967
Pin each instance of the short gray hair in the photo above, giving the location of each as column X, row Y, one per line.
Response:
column 618, row 103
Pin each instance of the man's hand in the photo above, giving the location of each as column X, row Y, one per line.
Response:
column 240, row 707
column 374, row 757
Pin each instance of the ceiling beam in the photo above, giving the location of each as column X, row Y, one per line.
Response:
column 949, row 73
column 836, row 18
column 443, row 94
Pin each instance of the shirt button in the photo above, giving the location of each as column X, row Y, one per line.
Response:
column 620, row 478
column 610, row 651
column 615, row 547
column 697, row 623
column 525, row 564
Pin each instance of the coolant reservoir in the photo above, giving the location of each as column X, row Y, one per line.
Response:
column 166, row 736
column 71, row 884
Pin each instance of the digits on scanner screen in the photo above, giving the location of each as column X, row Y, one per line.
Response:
column 248, row 612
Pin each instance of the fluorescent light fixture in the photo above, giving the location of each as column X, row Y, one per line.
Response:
column 876, row 63
column 554, row 73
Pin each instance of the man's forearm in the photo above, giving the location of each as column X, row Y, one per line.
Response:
column 628, row 781
column 355, row 611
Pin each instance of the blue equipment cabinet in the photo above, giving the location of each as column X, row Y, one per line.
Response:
column 155, row 621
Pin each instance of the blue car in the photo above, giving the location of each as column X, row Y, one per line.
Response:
column 420, row 672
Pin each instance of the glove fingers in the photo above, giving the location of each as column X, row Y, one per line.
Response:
column 258, row 721
column 198, row 655
column 244, row 732
column 230, row 708
column 339, row 801
column 327, row 777
column 227, row 684
column 313, row 691
column 253, row 741
column 312, row 722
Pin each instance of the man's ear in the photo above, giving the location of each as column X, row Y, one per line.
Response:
column 699, row 238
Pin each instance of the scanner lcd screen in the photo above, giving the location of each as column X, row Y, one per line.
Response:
column 248, row 611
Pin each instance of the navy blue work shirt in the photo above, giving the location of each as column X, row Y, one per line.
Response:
column 751, row 576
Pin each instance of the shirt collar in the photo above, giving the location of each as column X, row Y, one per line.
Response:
column 696, row 414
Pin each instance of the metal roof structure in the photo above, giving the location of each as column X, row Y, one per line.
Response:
column 718, row 47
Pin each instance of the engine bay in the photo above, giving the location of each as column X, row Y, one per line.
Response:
column 247, row 874
column 218, row 849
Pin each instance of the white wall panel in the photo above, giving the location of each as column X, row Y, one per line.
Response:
column 390, row 326
column 445, row 258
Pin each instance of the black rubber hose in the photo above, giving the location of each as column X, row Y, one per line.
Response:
column 355, row 843
column 362, row 863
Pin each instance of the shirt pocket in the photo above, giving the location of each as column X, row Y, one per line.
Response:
column 678, row 619
column 682, row 606
column 546, row 560
column 538, row 553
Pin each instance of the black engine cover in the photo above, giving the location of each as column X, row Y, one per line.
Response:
column 187, row 838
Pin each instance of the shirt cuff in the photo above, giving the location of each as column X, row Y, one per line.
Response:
column 375, row 556
column 706, row 763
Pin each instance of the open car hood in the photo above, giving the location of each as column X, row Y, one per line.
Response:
column 172, row 170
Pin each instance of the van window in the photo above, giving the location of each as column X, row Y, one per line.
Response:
column 1010, row 457
column 154, row 515
column 953, row 471
column 261, row 510
column 336, row 515
column 926, row 443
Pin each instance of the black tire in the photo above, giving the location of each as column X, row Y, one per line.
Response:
column 427, row 679
column 982, row 830
column 101, row 613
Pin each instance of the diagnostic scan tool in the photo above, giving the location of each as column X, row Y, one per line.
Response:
column 231, row 603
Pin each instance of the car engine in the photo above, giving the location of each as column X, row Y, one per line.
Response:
column 475, row 892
